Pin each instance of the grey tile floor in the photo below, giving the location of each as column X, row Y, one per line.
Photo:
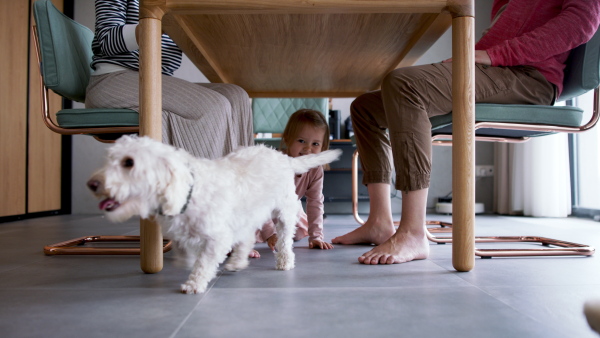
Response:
column 328, row 294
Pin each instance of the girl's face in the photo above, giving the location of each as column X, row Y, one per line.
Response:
column 308, row 141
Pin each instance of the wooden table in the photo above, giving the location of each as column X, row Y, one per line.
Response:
column 314, row 48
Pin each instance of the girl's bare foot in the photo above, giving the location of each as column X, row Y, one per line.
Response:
column 369, row 233
column 402, row 247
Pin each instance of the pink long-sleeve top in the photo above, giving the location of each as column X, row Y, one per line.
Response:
column 310, row 185
column 539, row 33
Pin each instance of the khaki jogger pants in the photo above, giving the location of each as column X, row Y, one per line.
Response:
column 409, row 97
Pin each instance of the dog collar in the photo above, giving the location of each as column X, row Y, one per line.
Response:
column 187, row 201
column 189, row 196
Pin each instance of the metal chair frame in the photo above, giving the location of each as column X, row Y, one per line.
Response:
column 76, row 246
column 71, row 131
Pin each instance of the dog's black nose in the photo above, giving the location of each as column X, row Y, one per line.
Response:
column 93, row 185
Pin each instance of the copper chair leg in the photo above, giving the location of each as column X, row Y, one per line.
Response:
column 560, row 248
column 77, row 246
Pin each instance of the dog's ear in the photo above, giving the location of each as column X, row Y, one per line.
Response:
column 176, row 192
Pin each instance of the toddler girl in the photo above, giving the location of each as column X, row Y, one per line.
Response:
column 306, row 132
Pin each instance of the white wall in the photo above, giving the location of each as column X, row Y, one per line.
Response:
column 88, row 154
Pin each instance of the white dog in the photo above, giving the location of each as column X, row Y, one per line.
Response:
column 207, row 207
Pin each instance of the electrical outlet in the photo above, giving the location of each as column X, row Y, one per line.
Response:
column 484, row 170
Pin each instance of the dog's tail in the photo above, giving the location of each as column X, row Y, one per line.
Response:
column 302, row 164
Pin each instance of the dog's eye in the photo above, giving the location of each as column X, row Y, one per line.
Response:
column 127, row 162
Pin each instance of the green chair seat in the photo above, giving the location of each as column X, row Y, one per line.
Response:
column 564, row 116
column 97, row 117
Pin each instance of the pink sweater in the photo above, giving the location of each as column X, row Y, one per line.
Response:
column 540, row 33
column 310, row 184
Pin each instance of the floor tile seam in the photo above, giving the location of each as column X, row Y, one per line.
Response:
column 563, row 334
column 455, row 274
column 21, row 266
column 344, row 288
column 540, row 285
column 187, row 317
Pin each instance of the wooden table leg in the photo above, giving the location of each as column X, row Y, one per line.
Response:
column 151, row 256
column 463, row 139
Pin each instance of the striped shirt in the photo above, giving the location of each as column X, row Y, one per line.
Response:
column 115, row 43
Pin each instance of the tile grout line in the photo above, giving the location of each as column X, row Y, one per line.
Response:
column 184, row 321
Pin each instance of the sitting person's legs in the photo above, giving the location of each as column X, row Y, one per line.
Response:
column 409, row 97
column 208, row 120
column 241, row 119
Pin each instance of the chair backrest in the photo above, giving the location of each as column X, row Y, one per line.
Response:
column 270, row 115
column 65, row 51
column 582, row 72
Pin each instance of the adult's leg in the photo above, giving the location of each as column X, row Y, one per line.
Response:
column 410, row 97
column 370, row 125
column 241, row 112
column 379, row 226
column 409, row 242
column 195, row 118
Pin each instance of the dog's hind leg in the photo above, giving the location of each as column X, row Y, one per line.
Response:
column 205, row 268
column 286, row 227
column 183, row 257
column 239, row 256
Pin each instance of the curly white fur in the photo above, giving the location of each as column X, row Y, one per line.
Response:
column 208, row 207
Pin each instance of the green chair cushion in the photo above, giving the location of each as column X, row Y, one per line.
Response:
column 97, row 117
column 513, row 113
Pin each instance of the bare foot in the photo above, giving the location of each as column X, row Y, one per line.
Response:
column 402, row 247
column 368, row 233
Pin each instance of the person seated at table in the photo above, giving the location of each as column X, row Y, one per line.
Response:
column 209, row 120
column 519, row 60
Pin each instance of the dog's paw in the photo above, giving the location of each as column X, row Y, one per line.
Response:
column 284, row 266
column 284, row 262
column 191, row 287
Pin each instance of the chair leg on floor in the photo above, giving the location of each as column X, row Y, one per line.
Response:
column 77, row 246
column 553, row 247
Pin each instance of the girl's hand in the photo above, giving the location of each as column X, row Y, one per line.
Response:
column 271, row 241
column 318, row 244
column 481, row 57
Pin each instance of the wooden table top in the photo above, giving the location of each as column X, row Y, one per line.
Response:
column 291, row 48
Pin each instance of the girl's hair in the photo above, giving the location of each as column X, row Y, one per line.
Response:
column 298, row 120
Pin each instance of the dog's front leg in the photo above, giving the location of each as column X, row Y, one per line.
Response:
column 205, row 268
column 285, row 226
